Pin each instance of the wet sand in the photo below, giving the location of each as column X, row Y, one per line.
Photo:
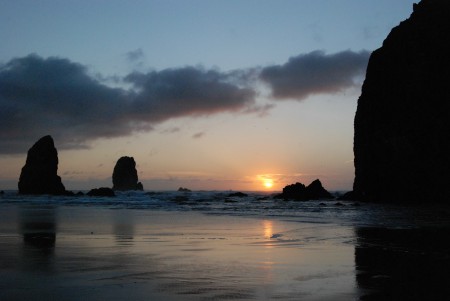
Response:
column 72, row 253
column 93, row 253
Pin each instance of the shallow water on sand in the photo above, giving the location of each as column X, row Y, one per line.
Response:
column 204, row 247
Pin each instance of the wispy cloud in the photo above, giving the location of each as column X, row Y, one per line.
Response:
column 198, row 135
column 135, row 55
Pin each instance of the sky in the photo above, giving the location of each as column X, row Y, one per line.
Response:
column 205, row 94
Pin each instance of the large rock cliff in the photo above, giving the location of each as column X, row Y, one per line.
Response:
column 402, row 124
column 39, row 175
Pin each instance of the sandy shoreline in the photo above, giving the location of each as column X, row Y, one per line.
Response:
column 141, row 255
column 51, row 252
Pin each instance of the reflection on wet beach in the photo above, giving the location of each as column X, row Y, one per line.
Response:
column 38, row 229
column 403, row 264
column 38, row 226
column 73, row 253
column 94, row 252
column 123, row 227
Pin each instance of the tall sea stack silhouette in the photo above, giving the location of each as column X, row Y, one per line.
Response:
column 402, row 123
column 125, row 175
column 39, row 175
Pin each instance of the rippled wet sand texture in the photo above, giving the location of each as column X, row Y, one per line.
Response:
column 73, row 253
column 244, row 250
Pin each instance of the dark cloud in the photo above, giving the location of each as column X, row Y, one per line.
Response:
column 55, row 96
column 186, row 91
column 314, row 73
column 260, row 110
column 170, row 130
column 58, row 97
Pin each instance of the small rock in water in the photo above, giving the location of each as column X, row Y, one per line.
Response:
column 238, row 195
column 299, row 191
column 230, row 201
column 183, row 189
column 102, row 191
column 276, row 235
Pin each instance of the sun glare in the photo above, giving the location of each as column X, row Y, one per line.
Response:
column 268, row 183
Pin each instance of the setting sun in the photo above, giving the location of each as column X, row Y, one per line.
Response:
column 268, row 183
column 267, row 180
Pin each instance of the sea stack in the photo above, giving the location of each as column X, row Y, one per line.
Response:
column 39, row 175
column 402, row 123
column 299, row 191
column 125, row 175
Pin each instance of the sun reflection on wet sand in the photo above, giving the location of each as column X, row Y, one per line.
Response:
column 268, row 229
column 143, row 255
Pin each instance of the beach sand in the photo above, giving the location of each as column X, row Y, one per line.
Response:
column 78, row 253
column 63, row 252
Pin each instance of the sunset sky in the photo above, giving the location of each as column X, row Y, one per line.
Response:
column 212, row 95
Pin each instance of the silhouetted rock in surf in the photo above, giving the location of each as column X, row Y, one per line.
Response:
column 102, row 191
column 39, row 175
column 316, row 190
column 402, row 123
column 125, row 175
column 183, row 189
column 348, row 196
column 299, row 191
column 238, row 195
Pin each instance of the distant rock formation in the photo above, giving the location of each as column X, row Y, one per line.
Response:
column 238, row 195
column 102, row 191
column 183, row 189
column 402, row 123
column 125, row 175
column 39, row 175
column 299, row 191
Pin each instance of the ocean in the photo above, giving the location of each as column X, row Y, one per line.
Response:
column 210, row 245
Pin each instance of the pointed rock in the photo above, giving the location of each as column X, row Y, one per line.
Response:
column 125, row 175
column 39, row 175
column 315, row 190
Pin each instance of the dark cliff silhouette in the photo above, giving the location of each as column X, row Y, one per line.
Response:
column 125, row 175
column 39, row 175
column 402, row 123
